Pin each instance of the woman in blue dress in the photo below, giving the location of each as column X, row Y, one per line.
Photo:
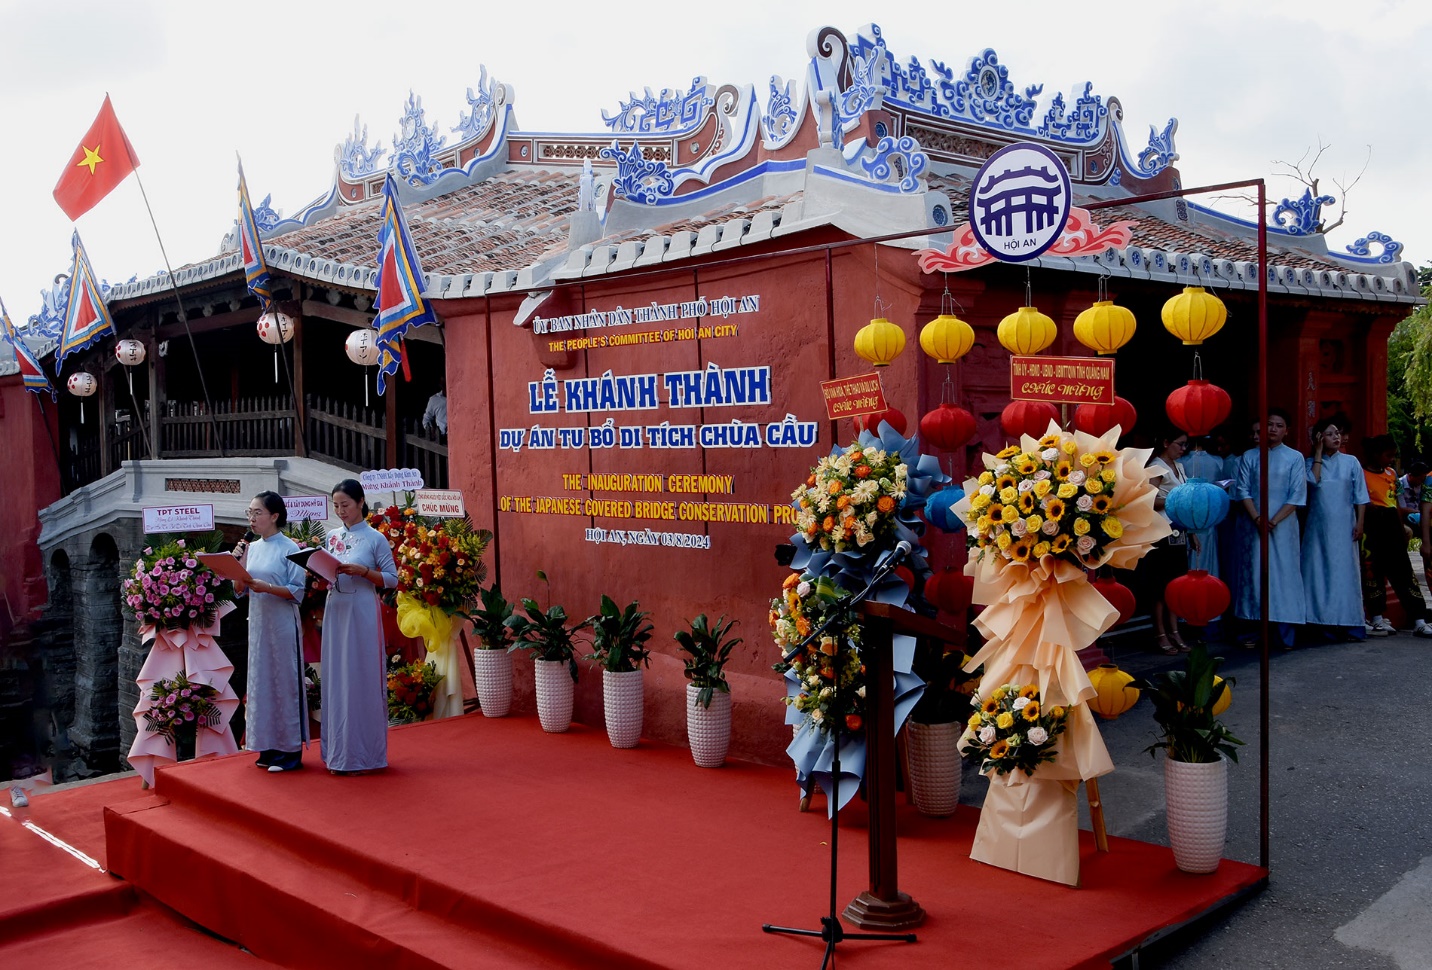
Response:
column 1287, row 489
column 276, row 709
column 355, row 680
column 1332, row 566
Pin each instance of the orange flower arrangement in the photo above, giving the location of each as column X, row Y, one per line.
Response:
column 439, row 560
column 851, row 498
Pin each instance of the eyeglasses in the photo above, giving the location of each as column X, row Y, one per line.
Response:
column 250, row 513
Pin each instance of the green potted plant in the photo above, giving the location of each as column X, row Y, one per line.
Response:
column 933, row 731
column 492, row 660
column 708, row 696
column 548, row 635
column 619, row 639
column 1197, row 746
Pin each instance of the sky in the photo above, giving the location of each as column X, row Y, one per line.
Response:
column 1251, row 84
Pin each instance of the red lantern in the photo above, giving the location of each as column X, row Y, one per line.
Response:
column 947, row 427
column 906, row 577
column 950, row 590
column 1098, row 418
column 871, row 422
column 1120, row 597
column 1028, row 417
column 1198, row 407
column 1197, row 597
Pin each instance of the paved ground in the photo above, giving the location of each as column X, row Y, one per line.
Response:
column 1350, row 807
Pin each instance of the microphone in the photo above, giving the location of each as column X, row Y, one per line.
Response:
column 241, row 548
column 902, row 549
column 250, row 535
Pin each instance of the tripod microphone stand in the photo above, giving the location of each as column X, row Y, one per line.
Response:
column 831, row 931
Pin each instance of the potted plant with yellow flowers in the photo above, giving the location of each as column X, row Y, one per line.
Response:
column 708, row 696
column 1198, row 747
column 619, row 639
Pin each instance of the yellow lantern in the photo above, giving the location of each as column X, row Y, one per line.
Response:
column 947, row 338
column 1223, row 701
column 1115, row 693
column 1194, row 315
column 880, row 342
column 1026, row 331
column 1104, row 327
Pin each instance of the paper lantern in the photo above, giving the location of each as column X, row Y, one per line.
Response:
column 362, row 347
column 940, row 510
column 275, row 328
column 871, row 422
column 1115, row 692
column 947, row 427
column 1196, row 506
column 82, row 384
column 1198, row 407
column 1104, row 327
column 1194, row 315
column 880, row 342
column 947, row 338
column 950, row 590
column 1224, row 699
column 1119, row 596
column 1097, row 418
column 1197, row 597
column 1027, row 417
column 1026, row 331
column 130, row 353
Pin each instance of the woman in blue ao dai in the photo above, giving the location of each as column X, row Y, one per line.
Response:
column 276, row 710
column 1287, row 489
column 1332, row 567
column 355, row 679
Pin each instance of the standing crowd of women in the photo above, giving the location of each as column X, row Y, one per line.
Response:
column 1336, row 526
column 354, row 716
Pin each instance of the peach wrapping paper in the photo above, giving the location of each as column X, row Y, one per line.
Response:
column 195, row 653
column 1037, row 617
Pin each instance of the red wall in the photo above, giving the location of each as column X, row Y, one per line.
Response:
column 29, row 481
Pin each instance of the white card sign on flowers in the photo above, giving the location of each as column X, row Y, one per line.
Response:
column 439, row 503
column 391, row 480
column 301, row 507
column 178, row 518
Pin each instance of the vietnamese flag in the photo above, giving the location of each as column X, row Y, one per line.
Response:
column 102, row 160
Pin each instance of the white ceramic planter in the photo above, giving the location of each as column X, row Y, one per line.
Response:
column 934, row 759
column 622, row 706
column 708, row 729
column 553, row 681
column 492, row 672
column 1197, row 796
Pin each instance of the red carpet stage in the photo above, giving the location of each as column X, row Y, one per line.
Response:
column 491, row 844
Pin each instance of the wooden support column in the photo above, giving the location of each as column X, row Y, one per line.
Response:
column 156, row 396
column 300, row 445
column 390, row 399
column 103, row 397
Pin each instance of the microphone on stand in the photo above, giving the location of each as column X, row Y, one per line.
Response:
column 902, row 549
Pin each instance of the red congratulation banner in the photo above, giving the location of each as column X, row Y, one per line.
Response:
column 851, row 397
column 1062, row 380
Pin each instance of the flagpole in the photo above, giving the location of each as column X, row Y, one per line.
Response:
column 288, row 376
column 183, row 318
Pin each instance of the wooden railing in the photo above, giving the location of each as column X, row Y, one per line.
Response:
column 127, row 442
column 425, row 450
column 345, row 434
column 248, row 426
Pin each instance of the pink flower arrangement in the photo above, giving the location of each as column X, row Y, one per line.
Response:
column 170, row 588
column 179, row 706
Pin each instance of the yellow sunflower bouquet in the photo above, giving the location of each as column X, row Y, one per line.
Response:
column 1052, row 499
column 1011, row 730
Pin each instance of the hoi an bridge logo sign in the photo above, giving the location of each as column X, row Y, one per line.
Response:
column 1019, row 202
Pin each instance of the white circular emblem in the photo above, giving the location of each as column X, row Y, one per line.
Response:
column 1019, row 202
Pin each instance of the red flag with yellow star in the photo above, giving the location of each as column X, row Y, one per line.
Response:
column 102, row 160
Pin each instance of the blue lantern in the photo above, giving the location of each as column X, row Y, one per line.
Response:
column 1196, row 505
column 940, row 510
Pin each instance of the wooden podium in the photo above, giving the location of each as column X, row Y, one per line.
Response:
column 883, row 906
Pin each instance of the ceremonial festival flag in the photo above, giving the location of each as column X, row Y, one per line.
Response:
column 102, row 160
column 256, row 273
column 30, row 371
column 86, row 317
column 400, row 305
